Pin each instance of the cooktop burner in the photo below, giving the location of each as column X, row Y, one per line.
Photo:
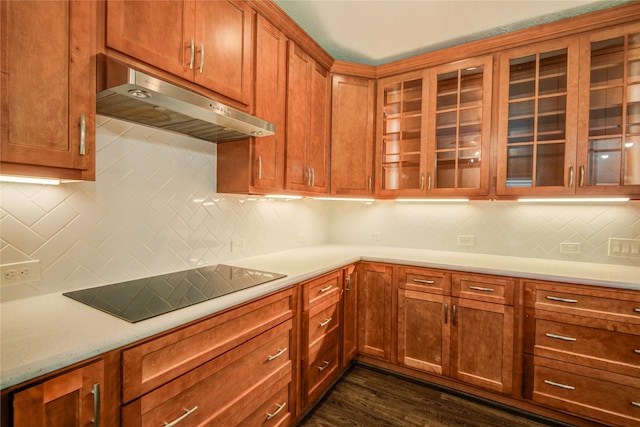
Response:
column 142, row 299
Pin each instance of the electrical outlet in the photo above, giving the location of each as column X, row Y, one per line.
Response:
column 19, row 272
column 570, row 248
column 629, row 248
column 374, row 236
column 466, row 240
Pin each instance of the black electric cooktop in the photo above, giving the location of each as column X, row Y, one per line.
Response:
column 142, row 299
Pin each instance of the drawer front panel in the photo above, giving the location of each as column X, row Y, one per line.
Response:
column 323, row 368
column 217, row 385
column 321, row 289
column 323, row 322
column 599, row 348
column 424, row 280
column 156, row 362
column 483, row 288
column 584, row 395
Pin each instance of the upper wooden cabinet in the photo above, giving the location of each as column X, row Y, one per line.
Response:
column 538, row 119
column 308, row 106
column 352, row 115
column 47, row 118
column 609, row 112
column 207, row 42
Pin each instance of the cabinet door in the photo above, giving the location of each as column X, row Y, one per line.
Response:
column 47, row 119
column 423, row 331
column 159, row 33
column 270, row 100
column 609, row 132
column 224, row 36
column 538, row 119
column 350, row 314
column 317, row 149
column 352, row 103
column 71, row 399
column 482, row 337
column 374, row 310
column 459, row 128
column 401, row 135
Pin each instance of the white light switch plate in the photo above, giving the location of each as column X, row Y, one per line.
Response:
column 629, row 248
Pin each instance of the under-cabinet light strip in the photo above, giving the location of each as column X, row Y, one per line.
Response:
column 346, row 199
column 282, row 197
column 432, row 200
column 575, row 200
column 29, row 180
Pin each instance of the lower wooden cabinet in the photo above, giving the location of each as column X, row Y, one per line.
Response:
column 73, row 399
column 374, row 310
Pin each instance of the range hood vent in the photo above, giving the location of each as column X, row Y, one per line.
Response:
column 128, row 94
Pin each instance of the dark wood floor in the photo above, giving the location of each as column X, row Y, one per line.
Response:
column 371, row 398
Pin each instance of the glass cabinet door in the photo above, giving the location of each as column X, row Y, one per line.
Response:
column 538, row 119
column 459, row 128
column 609, row 157
column 400, row 134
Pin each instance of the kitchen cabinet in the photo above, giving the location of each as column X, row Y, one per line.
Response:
column 206, row 42
column 47, row 120
column 257, row 165
column 538, row 119
column 308, row 107
column 457, row 325
column 374, row 309
column 581, row 346
column 609, row 113
column 352, row 141
column 74, row 398
column 321, row 333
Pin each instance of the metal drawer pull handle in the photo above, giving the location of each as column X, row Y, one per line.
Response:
column 636, row 351
column 570, row 176
column 83, row 135
column 325, row 323
column 564, row 386
column 428, row 282
column 637, row 310
column 323, row 290
column 192, row 53
column 446, row 313
column 259, row 167
column 278, row 354
column 478, row 288
column 323, row 367
column 201, row 57
column 187, row 412
column 96, row 405
column 636, row 404
column 280, row 408
column 573, row 301
column 560, row 337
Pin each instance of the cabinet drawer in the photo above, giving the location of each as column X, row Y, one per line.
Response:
column 599, row 348
column 158, row 361
column 611, row 398
column 618, row 305
column 204, row 394
column 483, row 288
column 318, row 290
column 424, row 280
column 323, row 320
column 323, row 366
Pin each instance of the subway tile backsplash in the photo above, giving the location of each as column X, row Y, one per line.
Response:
column 153, row 209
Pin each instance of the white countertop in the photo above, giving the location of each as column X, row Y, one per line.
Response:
column 48, row 332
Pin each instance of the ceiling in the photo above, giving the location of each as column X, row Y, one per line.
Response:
column 376, row 32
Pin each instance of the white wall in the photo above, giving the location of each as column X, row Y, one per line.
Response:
column 153, row 209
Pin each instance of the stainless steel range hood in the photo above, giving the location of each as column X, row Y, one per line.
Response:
column 128, row 94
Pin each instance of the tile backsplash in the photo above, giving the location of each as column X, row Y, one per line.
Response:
column 153, row 209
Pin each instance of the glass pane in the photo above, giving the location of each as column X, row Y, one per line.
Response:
column 553, row 72
column 447, row 91
column 607, row 62
column 410, row 172
column 551, row 118
column 605, row 112
column 634, row 58
column 632, row 161
column 469, row 169
column 520, row 166
column 550, row 165
column 391, row 126
column 471, row 87
column 633, row 110
column 522, row 75
column 604, row 162
column 446, row 126
column 521, row 121
column 391, row 176
column 445, row 170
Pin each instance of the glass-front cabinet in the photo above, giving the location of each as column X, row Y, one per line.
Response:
column 609, row 133
column 537, row 132
column 433, row 135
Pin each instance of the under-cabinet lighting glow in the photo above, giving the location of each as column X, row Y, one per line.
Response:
column 346, row 199
column 577, row 200
column 282, row 197
column 432, row 200
column 29, row 180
